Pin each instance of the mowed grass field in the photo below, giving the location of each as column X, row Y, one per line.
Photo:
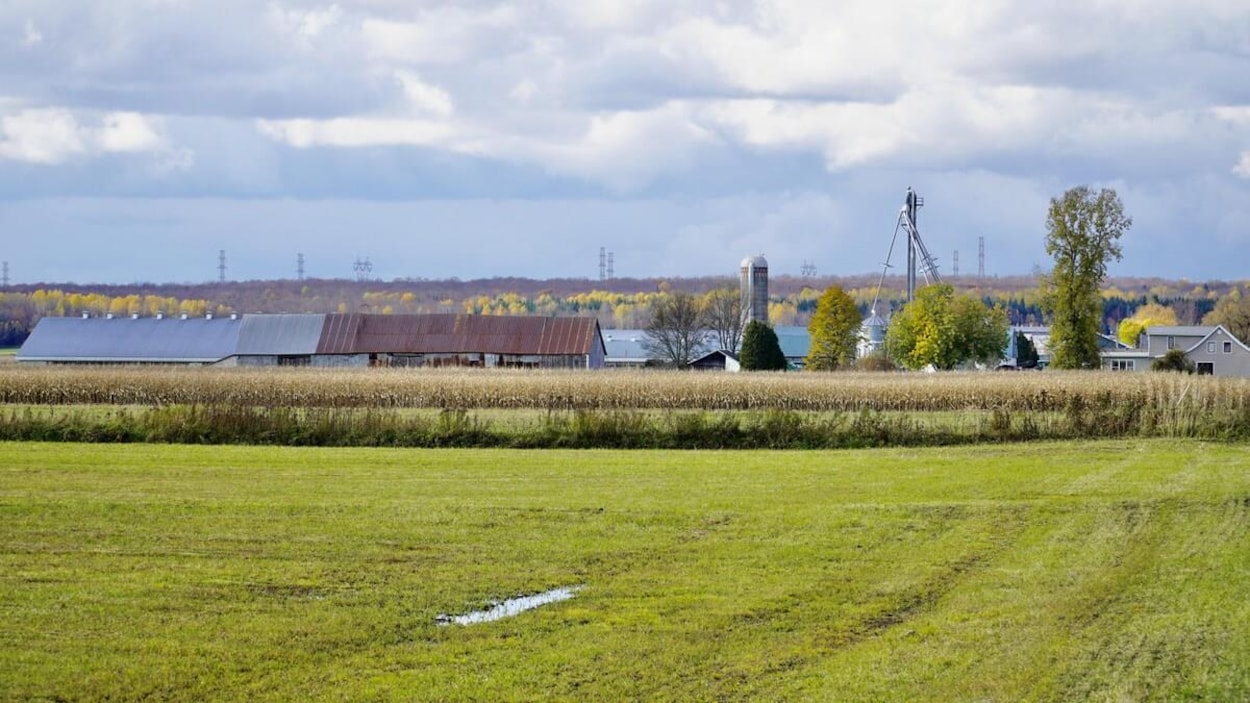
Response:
column 1048, row 571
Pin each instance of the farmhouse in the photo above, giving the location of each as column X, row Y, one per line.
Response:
column 320, row 340
column 1213, row 350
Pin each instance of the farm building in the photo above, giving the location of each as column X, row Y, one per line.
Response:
column 627, row 349
column 320, row 340
column 131, row 340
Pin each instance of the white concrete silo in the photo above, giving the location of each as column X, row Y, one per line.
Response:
column 754, row 288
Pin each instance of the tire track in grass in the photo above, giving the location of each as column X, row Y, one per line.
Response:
column 875, row 616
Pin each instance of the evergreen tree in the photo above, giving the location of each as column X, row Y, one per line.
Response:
column 761, row 350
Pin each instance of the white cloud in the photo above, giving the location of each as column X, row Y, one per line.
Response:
column 55, row 135
column 357, row 132
column 440, row 35
column 32, row 36
column 122, row 132
column 1243, row 166
column 305, row 24
column 423, row 98
column 41, row 136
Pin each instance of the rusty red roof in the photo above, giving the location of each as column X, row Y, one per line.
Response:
column 359, row 333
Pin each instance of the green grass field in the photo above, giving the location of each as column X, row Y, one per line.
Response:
column 1096, row 571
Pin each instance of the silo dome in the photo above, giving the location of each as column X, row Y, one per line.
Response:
column 755, row 262
column 874, row 328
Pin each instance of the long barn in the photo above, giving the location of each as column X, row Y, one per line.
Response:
column 320, row 340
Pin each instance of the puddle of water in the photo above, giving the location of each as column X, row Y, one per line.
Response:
column 510, row 607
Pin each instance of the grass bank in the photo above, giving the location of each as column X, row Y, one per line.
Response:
column 616, row 429
column 1071, row 571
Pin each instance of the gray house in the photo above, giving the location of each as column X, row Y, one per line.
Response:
column 1213, row 350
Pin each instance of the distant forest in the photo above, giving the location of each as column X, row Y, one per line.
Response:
column 617, row 303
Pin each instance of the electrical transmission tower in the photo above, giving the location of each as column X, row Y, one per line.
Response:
column 980, row 258
column 611, row 264
column 299, row 267
column 221, row 266
column 4, row 275
column 362, row 268
column 808, row 269
column 955, row 264
column 603, row 266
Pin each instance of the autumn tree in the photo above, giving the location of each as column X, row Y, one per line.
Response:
column 834, row 331
column 941, row 329
column 677, row 329
column 1083, row 231
column 1233, row 311
column 761, row 350
column 725, row 317
column 1145, row 317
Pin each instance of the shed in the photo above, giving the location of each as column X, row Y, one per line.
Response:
column 719, row 360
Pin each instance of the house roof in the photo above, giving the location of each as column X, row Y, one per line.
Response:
column 359, row 333
column 1215, row 330
column 795, row 342
column 716, row 352
column 124, row 339
column 1180, row 330
column 280, row 334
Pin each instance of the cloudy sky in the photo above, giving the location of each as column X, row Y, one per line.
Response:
column 478, row 139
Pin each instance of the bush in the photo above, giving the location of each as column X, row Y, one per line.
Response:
column 1174, row 360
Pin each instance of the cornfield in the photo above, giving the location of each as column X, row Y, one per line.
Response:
column 616, row 390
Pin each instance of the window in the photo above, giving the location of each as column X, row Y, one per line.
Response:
column 1228, row 347
column 1171, row 342
column 1123, row 364
column 1210, row 347
column 1206, row 368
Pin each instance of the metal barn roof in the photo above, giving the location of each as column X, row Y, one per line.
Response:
column 280, row 334
column 359, row 333
column 124, row 339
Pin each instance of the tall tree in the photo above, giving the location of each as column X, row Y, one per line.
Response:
column 834, row 331
column 1233, row 311
column 761, row 350
column 1083, row 231
column 677, row 330
column 941, row 329
column 726, row 317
